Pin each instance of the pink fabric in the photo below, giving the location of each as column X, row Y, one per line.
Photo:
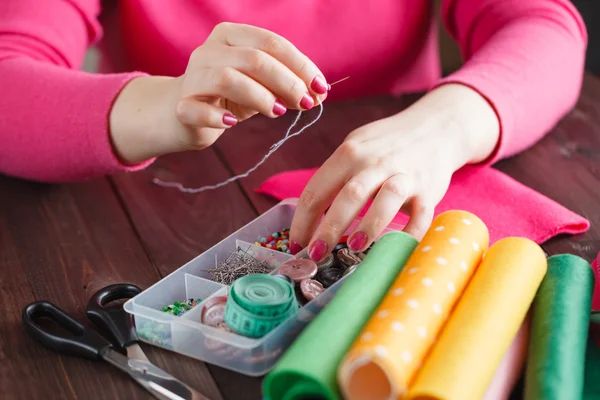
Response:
column 507, row 207
column 512, row 364
column 525, row 57
column 596, row 296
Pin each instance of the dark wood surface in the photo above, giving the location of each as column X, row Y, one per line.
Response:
column 63, row 242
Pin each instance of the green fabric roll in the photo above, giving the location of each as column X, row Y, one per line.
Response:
column 309, row 367
column 559, row 330
column 591, row 389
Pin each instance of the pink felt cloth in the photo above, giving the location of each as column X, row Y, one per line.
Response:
column 507, row 207
column 596, row 296
column 525, row 57
column 512, row 364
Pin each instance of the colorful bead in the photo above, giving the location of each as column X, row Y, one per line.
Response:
column 178, row 308
column 276, row 241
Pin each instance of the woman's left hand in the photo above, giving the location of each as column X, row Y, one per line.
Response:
column 404, row 163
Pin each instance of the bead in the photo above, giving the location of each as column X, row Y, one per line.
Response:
column 275, row 235
column 284, row 248
column 262, row 240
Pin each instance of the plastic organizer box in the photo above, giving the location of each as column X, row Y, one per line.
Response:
column 185, row 334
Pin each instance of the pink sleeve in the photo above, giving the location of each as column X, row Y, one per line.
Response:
column 526, row 57
column 54, row 125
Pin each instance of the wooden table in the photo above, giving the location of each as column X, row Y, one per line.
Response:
column 63, row 242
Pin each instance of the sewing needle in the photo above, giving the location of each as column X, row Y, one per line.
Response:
column 338, row 81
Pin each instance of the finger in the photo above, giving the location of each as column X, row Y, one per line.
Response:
column 344, row 209
column 240, row 35
column 391, row 196
column 194, row 113
column 266, row 70
column 239, row 88
column 420, row 217
column 316, row 197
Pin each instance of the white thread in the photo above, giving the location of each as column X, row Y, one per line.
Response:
column 272, row 150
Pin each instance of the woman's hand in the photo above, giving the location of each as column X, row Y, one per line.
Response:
column 239, row 71
column 404, row 162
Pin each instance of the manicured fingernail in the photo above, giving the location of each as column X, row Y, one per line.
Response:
column 295, row 248
column 319, row 85
column 317, row 250
column 307, row 102
column 230, row 119
column 279, row 108
column 357, row 241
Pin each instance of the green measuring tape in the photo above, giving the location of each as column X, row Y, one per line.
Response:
column 258, row 303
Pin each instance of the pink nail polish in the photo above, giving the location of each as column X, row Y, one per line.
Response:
column 317, row 250
column 357, row 241
column 319, row 85
column 230, row 119
column 307, row 102
column 295, row 248
column 279, row 108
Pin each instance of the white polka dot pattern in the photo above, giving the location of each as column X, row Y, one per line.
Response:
column 411, row 316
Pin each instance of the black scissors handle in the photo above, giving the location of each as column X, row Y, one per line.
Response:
column 115, row 321
column 83, row 342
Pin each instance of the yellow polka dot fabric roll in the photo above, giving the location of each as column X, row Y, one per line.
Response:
column 483, row 324
column 391, row 347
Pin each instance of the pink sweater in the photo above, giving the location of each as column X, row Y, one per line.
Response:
column 525, row 56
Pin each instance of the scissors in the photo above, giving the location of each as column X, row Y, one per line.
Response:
column 86, row 343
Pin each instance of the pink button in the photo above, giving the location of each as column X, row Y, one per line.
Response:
column 311, row 288
column 298, row 269
column 213, row 311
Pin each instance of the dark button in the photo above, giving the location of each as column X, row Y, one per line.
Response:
column 350, row 270
column 348, row 258
column 327, row 263
column 330, row 276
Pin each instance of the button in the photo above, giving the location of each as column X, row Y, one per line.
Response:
column 300, row 296
column 298, row 269
column 213, row 311
column 350, row 270
column 348, row 258
column 330, row 276
column 327, row 263
column 311, row 288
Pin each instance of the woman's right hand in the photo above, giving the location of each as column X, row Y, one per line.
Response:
column 239, row 71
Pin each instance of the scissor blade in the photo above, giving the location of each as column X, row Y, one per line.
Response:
column 135, row 351
column 162, row 385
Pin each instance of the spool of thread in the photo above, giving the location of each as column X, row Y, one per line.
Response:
column 484, row 323
column 308, row 368
column 556, row 362
column 391, row 347
column 258, row 303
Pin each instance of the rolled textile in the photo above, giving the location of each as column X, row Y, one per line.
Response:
column 308, row 368
column 509, row 372
column 484, row 323
column 561, row 317
column 382, row 363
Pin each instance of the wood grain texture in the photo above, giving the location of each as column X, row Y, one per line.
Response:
column 72, row 240
column 63, row 242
